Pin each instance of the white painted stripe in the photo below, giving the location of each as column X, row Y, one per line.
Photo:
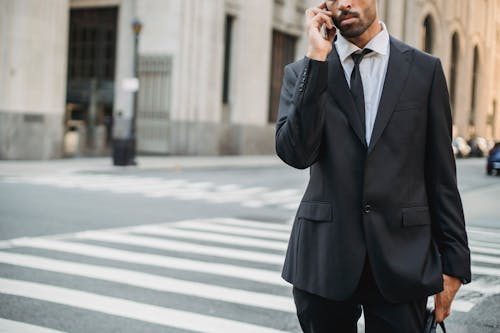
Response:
column 483, row 286
column 490, row 231
column 10, row 326
column 224, row 239
column 253, row 224
column 487, row 250
column 233, row 230
column 483, row 235
column 151, row 281
column 493, row 245
column 128, row 309
column 165, row 244
column 253, row 274
column 484, row 258
column 485, row 270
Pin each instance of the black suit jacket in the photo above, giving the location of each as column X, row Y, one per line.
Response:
column 395, row 201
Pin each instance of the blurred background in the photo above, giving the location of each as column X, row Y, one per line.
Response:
column 202, row 77
column 191, row 235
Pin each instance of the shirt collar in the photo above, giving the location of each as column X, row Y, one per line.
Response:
column 379, row 44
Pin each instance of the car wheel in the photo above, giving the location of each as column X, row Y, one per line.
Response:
column 489, row 171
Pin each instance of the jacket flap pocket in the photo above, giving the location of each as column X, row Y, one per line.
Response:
column 406, row 106
column 416, row 216
column 315, row 210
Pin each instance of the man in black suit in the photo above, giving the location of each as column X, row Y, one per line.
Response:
column 381, row 222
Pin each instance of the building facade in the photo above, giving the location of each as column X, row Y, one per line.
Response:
column 209, row 71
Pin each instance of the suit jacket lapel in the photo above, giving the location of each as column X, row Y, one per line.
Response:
column 395, row 79
column 339, row 89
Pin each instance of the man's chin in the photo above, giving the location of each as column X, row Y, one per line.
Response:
column 351, row 33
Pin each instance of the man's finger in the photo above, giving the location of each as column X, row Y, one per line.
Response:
column 311, row 12
column 322, row 5
column 320, row 18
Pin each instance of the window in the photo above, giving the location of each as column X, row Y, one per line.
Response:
column 228, row 32
column 455, row 53
column 428, row 35
column 283, row 53
column 92, row 43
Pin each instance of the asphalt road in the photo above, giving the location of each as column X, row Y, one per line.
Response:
column 184, row 250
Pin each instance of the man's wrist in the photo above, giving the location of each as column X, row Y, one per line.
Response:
column 315, row 55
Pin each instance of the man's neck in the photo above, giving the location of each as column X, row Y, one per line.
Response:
column 363, row 39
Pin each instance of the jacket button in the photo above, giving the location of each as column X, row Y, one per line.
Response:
column 367, row 209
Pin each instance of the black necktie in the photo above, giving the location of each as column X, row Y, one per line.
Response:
column 357, row 86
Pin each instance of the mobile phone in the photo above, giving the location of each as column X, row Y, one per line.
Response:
column 324, row 29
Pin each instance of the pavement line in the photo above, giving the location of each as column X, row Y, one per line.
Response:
column 484, row 235
column 252, row 274
column 484, row 230
column 165, row 244
column 252, row 224
column 128, row 309
column 485, row 259
column 485, row 270
column 151, row 281
column 492, row 245
column 233, row 230
column 487, row 250
column 203, row 236
column 483, row 286
column 11, row 326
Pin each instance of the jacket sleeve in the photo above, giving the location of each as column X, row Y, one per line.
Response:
column 299, row 128
column 448, row 223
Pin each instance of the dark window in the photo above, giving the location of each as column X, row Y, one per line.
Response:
column 428, row 35
column 455, row 53
column 228, row 32
column 283, row 53
column 475, row 78
column 92, row 43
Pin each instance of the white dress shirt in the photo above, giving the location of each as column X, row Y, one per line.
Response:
column 373, row 68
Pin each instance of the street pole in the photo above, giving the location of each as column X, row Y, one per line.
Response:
column 137, row 27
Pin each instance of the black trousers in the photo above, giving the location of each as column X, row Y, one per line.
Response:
column 320, row 315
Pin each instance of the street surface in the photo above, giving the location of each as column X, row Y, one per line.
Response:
column 183, row 245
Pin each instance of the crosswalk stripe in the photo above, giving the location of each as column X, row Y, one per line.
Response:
column 253, row 274
column 483, row 286
column 485, row 259
column 233, row 230
column 486, row 250
column 492, row 245
column 488, row 231
column 224, row 239
column 253, row 224
column 485, row 270
column 484, row 235
column 11, row 326
column 165, row 244
column 151, row 281
column 128, row 309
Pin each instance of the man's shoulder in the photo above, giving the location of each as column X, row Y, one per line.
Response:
column 418, row 54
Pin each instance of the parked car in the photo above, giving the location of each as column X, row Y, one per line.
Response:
column 493, row 163
column 479, row 147
column 460, row 147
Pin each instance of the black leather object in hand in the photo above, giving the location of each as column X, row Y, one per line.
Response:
column 430, row 323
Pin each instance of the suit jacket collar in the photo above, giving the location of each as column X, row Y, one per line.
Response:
column 397, row 73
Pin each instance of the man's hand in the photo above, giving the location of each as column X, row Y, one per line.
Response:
column 442, row 301
column 319, row 47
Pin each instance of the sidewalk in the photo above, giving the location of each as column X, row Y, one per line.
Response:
column 104, row 164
